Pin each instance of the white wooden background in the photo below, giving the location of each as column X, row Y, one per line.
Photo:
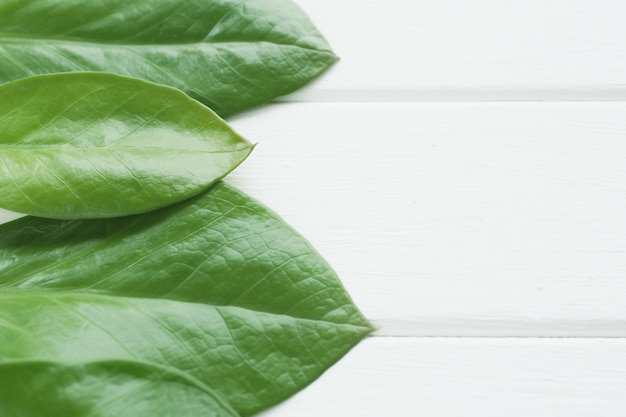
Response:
column 463, row 169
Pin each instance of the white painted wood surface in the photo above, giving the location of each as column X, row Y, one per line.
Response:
column 463, row 170
column 409, row 377
column 457, row 219
column 472, row 50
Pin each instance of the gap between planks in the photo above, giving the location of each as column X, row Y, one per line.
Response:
column 377, row 335
column 443, row 95
column 510, row 329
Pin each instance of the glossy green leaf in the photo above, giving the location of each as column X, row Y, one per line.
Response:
column 103, row 389
column 217, row 287
column 89, row 145
column 229, row 54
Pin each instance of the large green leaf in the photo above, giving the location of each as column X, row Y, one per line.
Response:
column 217, row 287
column 229, row 54
column 103, row 389
column 88, row 145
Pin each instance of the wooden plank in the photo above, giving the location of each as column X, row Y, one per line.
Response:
column 408, row 377
column 480, row 50
column 445, row 219
column 448, row 219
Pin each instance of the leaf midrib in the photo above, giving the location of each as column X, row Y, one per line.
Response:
column 15, row 38
column 64, row 147
column 6, row 292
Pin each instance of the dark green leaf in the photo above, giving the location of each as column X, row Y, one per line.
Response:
column 218, row 287
column 103, row 389
column 88, row 145
column 229, row 54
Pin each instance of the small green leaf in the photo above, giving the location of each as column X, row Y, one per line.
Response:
column 89, row 145
column 229, row 54
column 103, row 389
column 217, row 287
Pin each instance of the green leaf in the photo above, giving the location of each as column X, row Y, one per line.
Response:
column 229, row 54
column 103, row 389
column 90, row 145
column 218, row 287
